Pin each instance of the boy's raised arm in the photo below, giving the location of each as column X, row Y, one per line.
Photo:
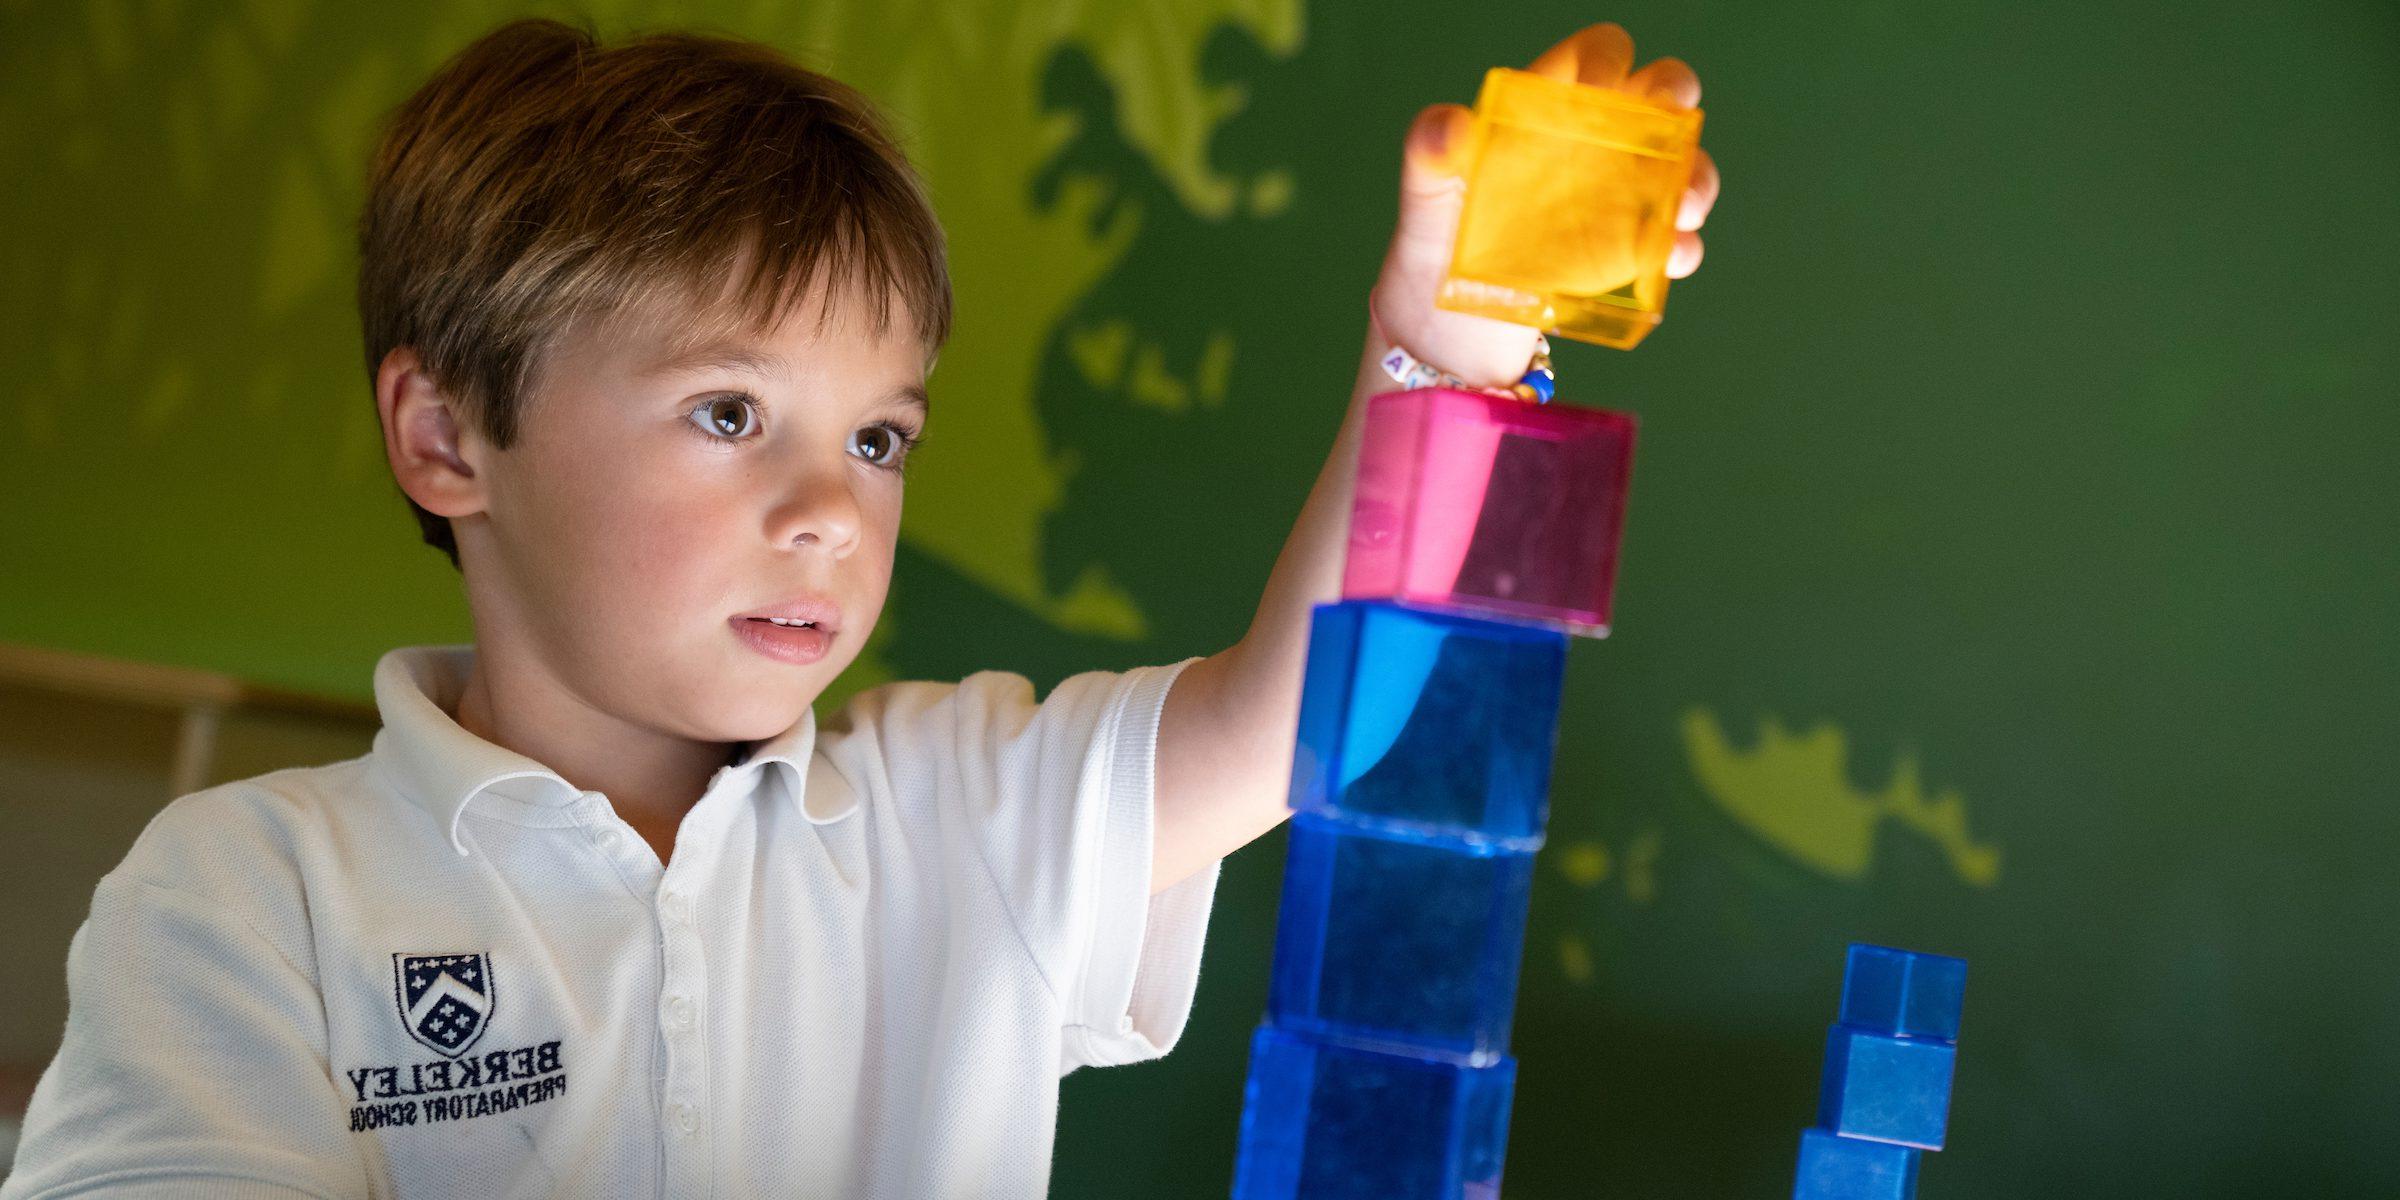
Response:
column 1225, row 737
column 1226, row 734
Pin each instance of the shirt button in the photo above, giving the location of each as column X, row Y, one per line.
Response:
column 679, row 1012
column 610, row 839
column 684, row 1118
column 678, row 906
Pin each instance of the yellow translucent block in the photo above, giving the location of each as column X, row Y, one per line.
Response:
column 1572, row 191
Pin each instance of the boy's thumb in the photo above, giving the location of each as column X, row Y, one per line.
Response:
column 1436, row 148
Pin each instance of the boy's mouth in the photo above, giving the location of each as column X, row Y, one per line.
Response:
column 804, row 611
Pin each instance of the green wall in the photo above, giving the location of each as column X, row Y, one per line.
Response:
column 2010, row 569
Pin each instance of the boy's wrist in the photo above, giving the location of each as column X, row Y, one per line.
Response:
column 1408, row 366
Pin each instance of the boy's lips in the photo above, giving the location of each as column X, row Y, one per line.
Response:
column 808, row 606
column 799, row 645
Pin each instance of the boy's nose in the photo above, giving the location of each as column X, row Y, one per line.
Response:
column 822, row 513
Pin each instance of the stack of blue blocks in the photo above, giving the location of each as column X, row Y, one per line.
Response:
column 1888, row 1065
column 1421, row 790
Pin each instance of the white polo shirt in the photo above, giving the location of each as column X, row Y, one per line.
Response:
column 441, row 970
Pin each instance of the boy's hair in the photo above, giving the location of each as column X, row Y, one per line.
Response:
column 540, row 182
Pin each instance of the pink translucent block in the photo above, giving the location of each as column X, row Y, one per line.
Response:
column 1495, row 505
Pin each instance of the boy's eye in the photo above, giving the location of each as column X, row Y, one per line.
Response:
column 879, row 444
column 726, row 416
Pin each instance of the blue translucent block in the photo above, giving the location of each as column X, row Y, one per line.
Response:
column 1840, row 1168
column 1429, row 720
column 1327, row 1121
column 1903, row 992
column 1390, row 940
column 1890, row 1089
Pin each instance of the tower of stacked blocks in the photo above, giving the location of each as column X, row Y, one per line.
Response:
column 1888, row 1065
column 1483, row 534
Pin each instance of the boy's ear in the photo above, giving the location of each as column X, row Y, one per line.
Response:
column 434, row 455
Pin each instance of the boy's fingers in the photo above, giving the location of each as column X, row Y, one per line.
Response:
column 1595, row 54
column 1685, row 257
column 1701, row 195
column 1435, row 150
column 1666, row 81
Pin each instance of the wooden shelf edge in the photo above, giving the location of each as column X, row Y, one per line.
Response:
column 150, row 685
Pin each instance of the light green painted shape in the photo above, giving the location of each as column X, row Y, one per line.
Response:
column 1794, row 792
column 1107, row 356
column 1574, row 958
column 1588, row 864
column 1099, row 351
column 1584, row 864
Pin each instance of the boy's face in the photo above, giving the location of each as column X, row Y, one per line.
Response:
column 654, row 502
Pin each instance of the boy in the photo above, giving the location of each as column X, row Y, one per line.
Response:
column 605, row 911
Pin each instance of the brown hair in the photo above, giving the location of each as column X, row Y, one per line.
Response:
column 540, row 182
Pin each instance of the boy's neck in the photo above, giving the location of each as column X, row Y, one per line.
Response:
column 651, row 780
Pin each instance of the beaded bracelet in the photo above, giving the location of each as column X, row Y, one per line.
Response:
column 1538, row 383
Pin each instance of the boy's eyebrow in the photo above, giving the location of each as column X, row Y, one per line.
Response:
column 721, row 358
column 911, row 394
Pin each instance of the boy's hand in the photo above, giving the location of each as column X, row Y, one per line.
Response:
column 1433, row 188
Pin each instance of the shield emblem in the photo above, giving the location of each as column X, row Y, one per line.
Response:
column 445, row 999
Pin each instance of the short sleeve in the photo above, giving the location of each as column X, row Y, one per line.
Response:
column 1129, row 990
column 193, row 1064
column 1059, row 798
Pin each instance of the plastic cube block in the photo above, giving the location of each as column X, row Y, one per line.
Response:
column 1429, row 721
column 1890, row 1089
column 1408, row 944
column 1840, row 1168
column 1490, row 504
column 1326, row 1121
column 1903, row 992
column 1572, row 191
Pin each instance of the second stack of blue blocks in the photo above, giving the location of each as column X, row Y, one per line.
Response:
column 1889, row 1061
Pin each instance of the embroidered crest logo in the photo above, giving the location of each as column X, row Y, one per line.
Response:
column 445, row 999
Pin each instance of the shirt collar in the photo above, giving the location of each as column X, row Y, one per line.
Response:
column 425, row 755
